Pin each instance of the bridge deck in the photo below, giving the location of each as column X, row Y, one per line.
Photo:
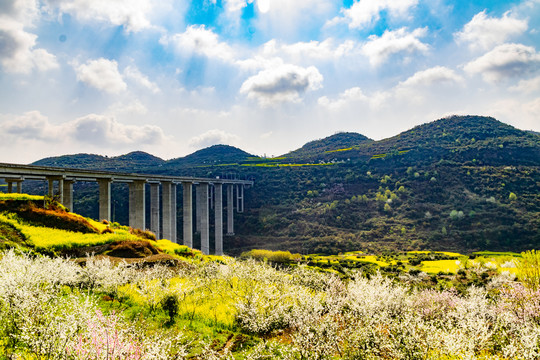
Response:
column 34, row 172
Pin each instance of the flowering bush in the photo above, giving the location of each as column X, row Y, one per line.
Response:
column 53, row 308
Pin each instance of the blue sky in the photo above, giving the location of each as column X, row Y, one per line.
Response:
column 174, row 76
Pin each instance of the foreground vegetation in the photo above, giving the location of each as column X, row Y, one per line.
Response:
column 138, row 298
column 54, row 308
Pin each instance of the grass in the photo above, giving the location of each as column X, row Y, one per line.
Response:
column 16, row 196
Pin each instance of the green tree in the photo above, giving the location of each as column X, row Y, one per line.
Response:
column 512, row 197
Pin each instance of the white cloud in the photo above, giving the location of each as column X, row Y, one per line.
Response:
column 527, row 86
column 213, row 137
column 17, row 46
column 433, row 76
column 483, row 32
column 94, row 130
column 131, row 14
column 379, row 49
column 236, row 5
column 364, row 13
column 132, row 108
column 106, row 130
column 201, row 41
column 284, row 83
column 30, row 125
column 352, row 95
column 131, row 72
column 286, row 18
column 507, row 60
column 101, row 74
column 314, row 50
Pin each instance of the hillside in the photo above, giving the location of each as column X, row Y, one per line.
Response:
column 462, row 183
column 213, row 155
column 132, row 162
column 336, row 142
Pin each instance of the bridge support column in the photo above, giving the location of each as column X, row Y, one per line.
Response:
column 154, row 209
column 51, row 186
column 68, row 194
column 105, row 200
column 174, row 218
column 203, row 205
column 60, row 194
column 218, row 208
column 230, row 210
column 137, row 204
column 197, row 209
column 211, row 192
column 187, row 203
column 166, row 198
column 18, row 183
column 240, row 198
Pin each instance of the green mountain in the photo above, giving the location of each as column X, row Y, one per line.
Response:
column 338, row 142
column 213, row 155
column 133, row 162
column 461, row 183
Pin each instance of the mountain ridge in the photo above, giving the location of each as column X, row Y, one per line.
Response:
column 450, row 132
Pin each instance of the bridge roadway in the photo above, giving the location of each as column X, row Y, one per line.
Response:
column 208, row 193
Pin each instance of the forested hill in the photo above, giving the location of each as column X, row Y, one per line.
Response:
column 337, row 142
column 460, row 183
column 127, row 162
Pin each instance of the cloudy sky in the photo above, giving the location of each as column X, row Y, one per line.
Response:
column 172, row 76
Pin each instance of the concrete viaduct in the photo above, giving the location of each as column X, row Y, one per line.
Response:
column 208, row 193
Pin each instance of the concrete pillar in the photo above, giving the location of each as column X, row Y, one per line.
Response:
column 154, row 209
column 211, row 196
column 51, row 186
column 68, row 194
column 60, row 194
column 174, row 218
column 240, row 198
column 230, row 210
column 105, row 200
column 187, row 203
column 203, row 205
column 61, row 190
column 10, row 185
column 137, row 204
column 166, row 198
column 219, row 218
column 197, row 209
